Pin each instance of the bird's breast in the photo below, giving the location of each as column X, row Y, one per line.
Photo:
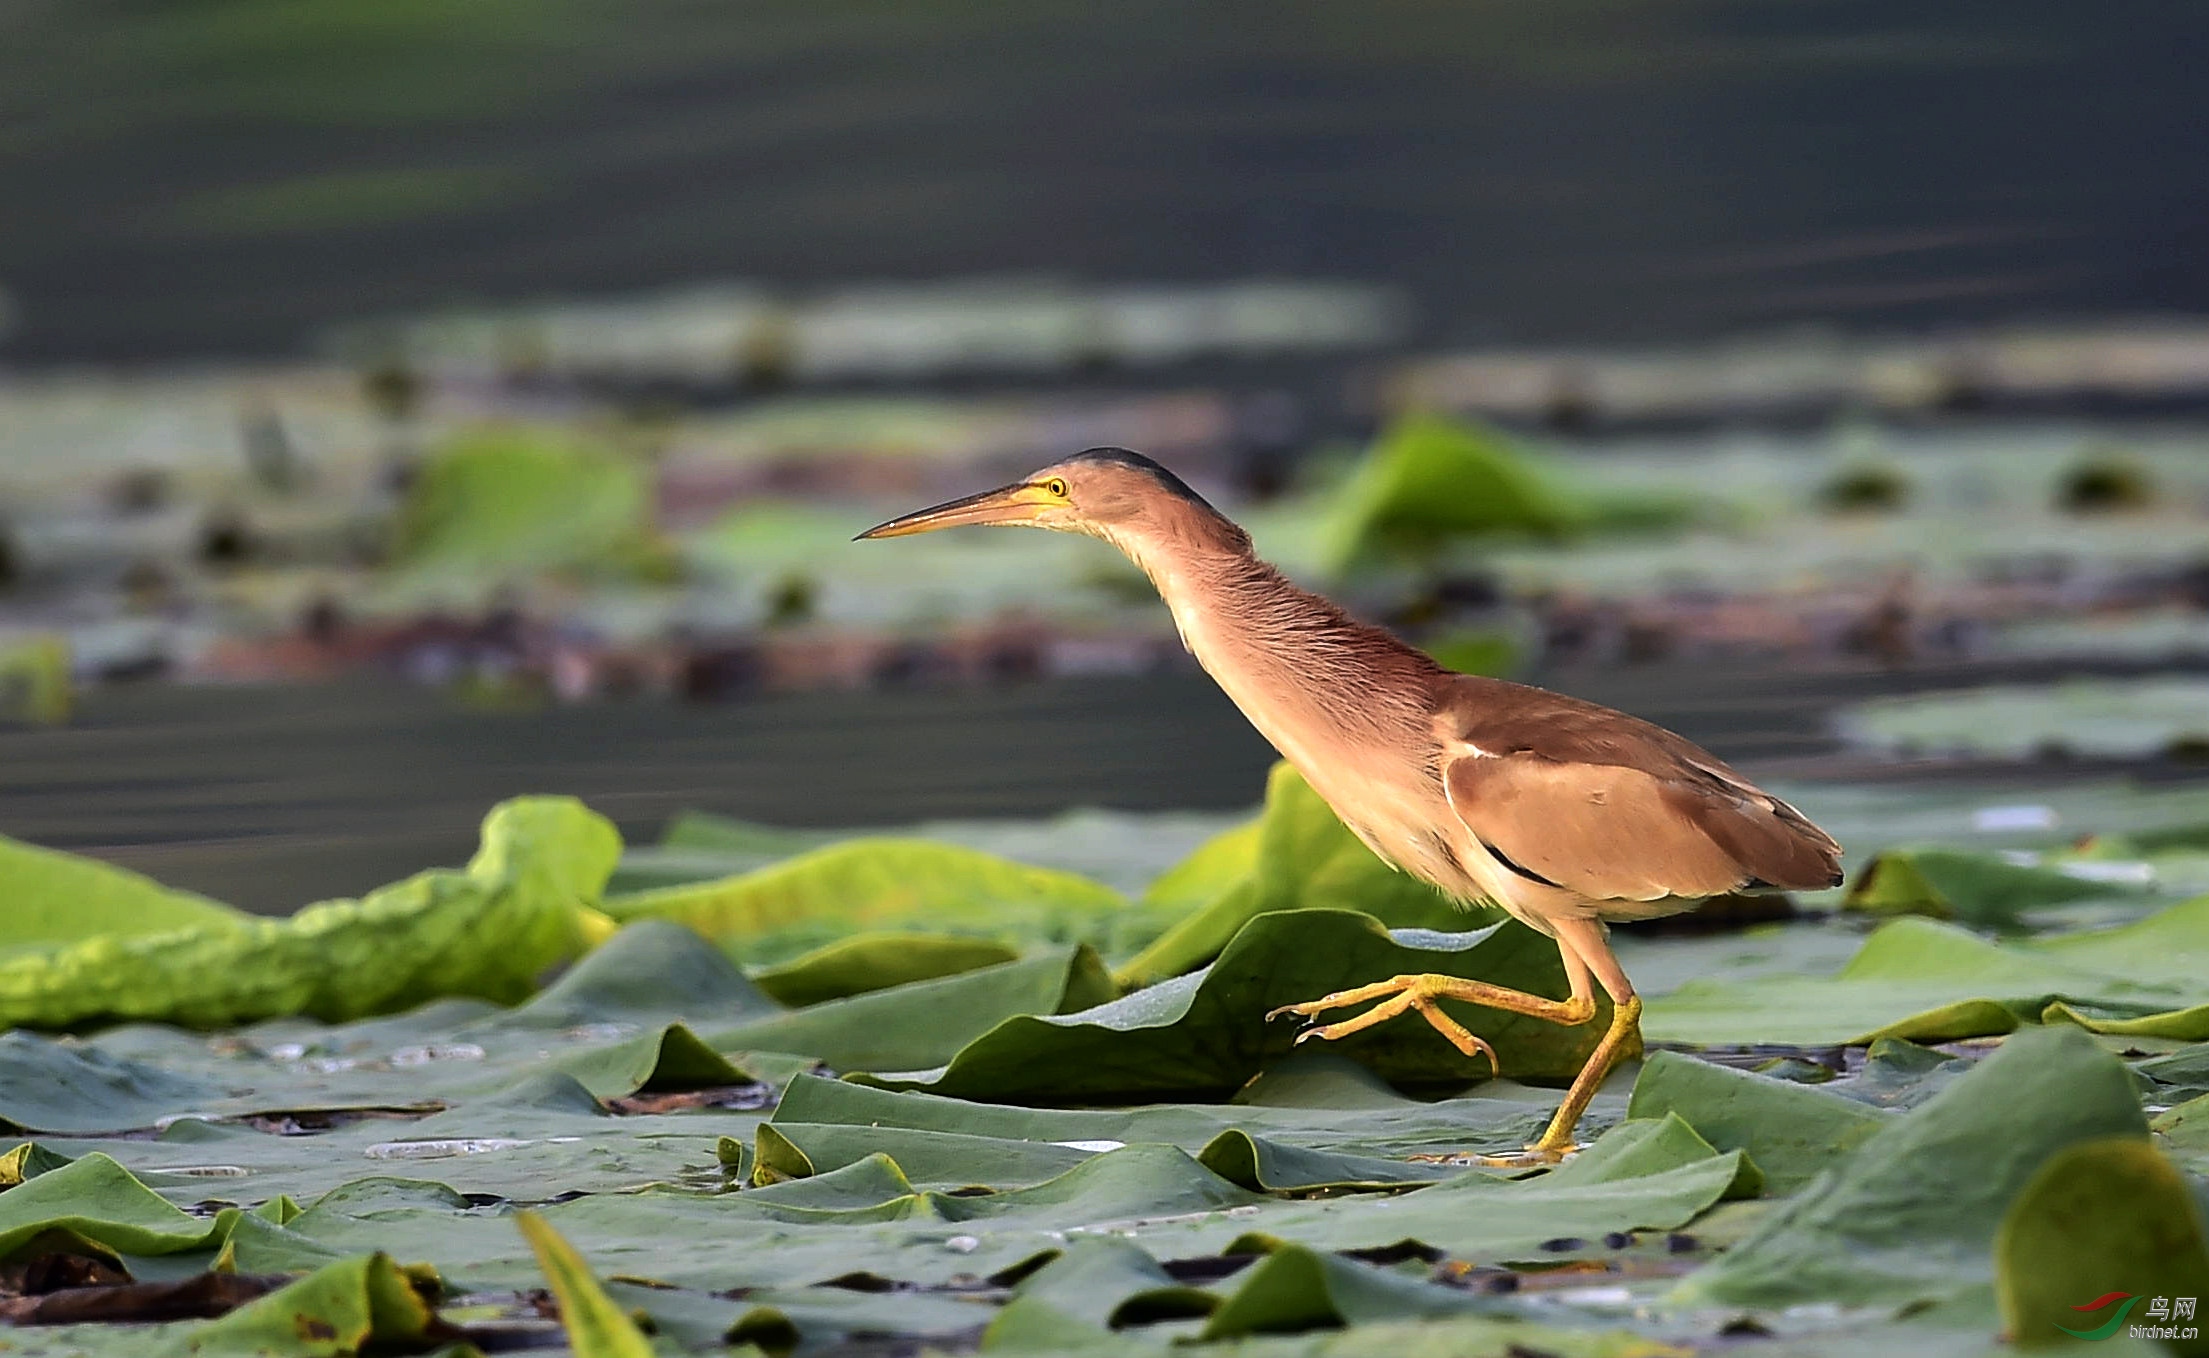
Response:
column 1385, row 795
column 1376, row 774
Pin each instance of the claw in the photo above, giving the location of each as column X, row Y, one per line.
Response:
column 1325, row 1032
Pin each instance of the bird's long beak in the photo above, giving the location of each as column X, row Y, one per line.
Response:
column 1016, row 503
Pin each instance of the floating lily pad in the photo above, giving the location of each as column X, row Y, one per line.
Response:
column 820, row 897
column 869, row 962
column 1972, row 887
column 1792, row 1132
column 58, row 898
column 352, row 1306
column 1927, row 981
column 1206, row 1034
column 2102, row 1219
column 2109, row 718
column 492, row 930
column 1077, row 1172
column 1911, row 1212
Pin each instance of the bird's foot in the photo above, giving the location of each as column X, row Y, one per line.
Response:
column 1624, row 1033
column 1396, row 996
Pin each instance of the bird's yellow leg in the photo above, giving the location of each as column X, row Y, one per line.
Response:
column 1588, row 960
column 1401, row 993
column 1586, row 950
column 1419, row 992
column 1625, row 1029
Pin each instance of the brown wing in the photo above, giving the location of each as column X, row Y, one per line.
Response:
column 1611, row 807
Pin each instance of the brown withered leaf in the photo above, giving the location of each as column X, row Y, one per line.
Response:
column 197, row 1298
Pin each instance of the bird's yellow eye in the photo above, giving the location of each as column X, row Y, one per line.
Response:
column 1056, row 486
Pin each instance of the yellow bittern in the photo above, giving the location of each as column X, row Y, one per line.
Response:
column 1566, row 814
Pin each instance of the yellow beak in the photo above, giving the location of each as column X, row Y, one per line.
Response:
column 1017, row 503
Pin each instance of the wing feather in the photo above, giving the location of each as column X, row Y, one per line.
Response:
column 1614, row 808
column 1602, row 831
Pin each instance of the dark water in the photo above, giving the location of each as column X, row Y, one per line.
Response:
column 272, row 797
column 187, row 179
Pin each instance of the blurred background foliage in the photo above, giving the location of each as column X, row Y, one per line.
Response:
column 514, row 501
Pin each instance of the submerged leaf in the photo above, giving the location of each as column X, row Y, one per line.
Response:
column 1638, row 1176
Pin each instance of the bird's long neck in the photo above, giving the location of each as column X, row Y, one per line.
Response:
column 1299, row 667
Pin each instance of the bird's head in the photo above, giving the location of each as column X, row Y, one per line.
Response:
column 1110, row 493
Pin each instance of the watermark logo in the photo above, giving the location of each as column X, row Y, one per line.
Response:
column 2109, row 1326
column 2159, row 1309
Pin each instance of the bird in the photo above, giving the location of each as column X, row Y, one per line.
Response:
column 1566, row 814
